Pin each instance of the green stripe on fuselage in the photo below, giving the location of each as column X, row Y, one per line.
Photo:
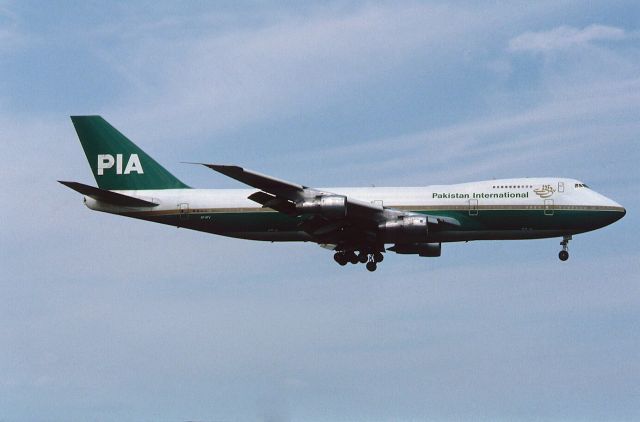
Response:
column 487, row 223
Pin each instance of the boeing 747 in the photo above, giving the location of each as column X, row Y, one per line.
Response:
column 358, row 224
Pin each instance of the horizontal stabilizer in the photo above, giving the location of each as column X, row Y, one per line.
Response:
column 108, row 196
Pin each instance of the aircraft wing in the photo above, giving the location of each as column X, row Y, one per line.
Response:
column 281, row 188
column 276, row 190
column 332, row 218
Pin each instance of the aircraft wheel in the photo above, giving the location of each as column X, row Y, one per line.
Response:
column 352, row 257
column 378, row 257
column 363, row 257
column 371, row 266
column 563, row 255
column 340, row 258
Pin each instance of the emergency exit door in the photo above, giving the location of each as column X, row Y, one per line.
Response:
column 183, row 211
column 473, row 207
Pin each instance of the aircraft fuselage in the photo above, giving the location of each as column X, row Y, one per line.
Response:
column 525, row 208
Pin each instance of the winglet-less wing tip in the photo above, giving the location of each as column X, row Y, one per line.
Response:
column 221, row 168
column 224, row 168
column 269, row 184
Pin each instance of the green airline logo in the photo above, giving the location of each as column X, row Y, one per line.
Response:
column 545, row 191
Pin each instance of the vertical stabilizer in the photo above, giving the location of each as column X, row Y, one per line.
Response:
column 116, row 162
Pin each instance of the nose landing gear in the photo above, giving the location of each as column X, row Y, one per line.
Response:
column 564, row 253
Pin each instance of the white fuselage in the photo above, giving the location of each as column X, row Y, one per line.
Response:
column 494, row 209
column 487, row 194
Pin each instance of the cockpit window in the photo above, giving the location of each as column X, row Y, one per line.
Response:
column 581, row 185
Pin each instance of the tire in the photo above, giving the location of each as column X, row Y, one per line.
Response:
column 340, row 258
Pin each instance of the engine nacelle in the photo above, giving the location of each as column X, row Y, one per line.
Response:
column 407, row 229
column 422, row 249
column 330, row 206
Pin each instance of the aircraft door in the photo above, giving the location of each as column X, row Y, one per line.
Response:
column 548, row 207
column 473, row 207
column 183, row 211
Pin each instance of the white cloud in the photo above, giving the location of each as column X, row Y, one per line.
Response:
column 525, row 142
column 564, row 37
column 215, row 81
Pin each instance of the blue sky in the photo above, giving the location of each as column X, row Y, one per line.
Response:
column 105, row 318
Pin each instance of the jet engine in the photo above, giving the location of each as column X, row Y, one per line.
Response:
column 422, row 249
column 404, row 229
column 330, row 206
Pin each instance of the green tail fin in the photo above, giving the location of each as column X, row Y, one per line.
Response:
column 116, row 162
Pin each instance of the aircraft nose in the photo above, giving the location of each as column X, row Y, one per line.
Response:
column 612, row 203
column 621, row 212
column 618, row 210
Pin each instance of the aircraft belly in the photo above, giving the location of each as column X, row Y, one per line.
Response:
column 271, row 236
column 522, row 224
column 468, row 235
column 486, row 225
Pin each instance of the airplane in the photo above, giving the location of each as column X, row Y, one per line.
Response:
column 359, row 224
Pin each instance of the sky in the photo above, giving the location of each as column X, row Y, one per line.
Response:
column 106, row 318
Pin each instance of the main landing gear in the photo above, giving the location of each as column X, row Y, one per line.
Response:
column 564, row 253
column 370, row 259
